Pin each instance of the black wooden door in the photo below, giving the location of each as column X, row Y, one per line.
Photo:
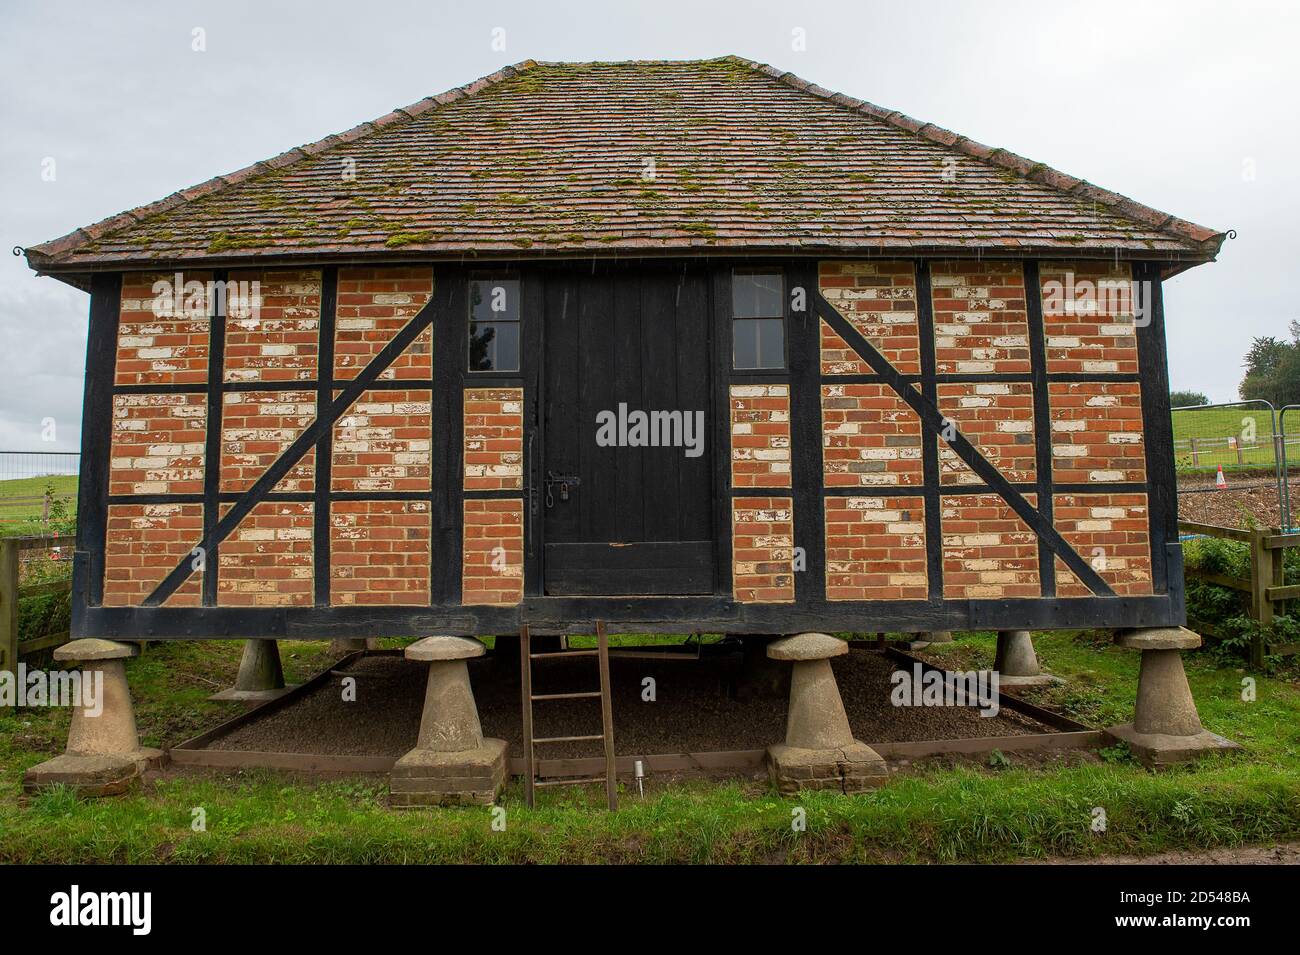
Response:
column 632, row 516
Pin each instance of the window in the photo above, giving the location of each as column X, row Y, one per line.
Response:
column 494, row 325
column 757, row 326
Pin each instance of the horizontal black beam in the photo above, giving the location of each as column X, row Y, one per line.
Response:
column 628, row 615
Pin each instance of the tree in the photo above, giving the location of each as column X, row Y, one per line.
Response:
column 1273, row 369
column 1183, row 399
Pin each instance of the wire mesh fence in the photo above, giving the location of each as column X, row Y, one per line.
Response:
column 38, row 491
column 1230, row 462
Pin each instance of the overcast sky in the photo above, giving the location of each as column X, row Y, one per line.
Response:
column 1188, row 107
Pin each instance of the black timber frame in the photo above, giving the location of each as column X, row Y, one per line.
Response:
column 447, row 313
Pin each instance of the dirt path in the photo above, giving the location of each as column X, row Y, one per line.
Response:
column 1285, row 853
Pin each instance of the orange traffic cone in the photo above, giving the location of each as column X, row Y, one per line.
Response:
column 1219, row 481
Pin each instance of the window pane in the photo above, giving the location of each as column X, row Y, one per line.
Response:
column 494, row 346
column 744, row 335
column 756, row 295
column 771, row 343
column 494, row 300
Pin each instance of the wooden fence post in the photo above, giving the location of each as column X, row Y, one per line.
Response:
column 9, row 605
column 1261, row 578
column 1196, row 458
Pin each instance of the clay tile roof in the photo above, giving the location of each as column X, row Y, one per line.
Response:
column 653, row 157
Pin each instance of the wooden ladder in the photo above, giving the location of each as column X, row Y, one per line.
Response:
column 531, row 782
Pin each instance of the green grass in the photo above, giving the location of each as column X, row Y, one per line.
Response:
column 23, row 520
column 1212, row 426
column 942, row 810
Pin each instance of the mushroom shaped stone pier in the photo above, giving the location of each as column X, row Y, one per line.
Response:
column 1166, row 727
column 1016, row 662
column 819, row 751
column 452, row 764
column 260, row 676
column 103, row 753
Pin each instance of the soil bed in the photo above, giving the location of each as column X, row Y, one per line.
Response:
column 695, row 710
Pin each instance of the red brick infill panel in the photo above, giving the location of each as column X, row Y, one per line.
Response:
column 279, row 340
column 998, row 419
column 493, row 561
column 1097, row 432
column 383, row 443
column 980, row 324
column 875, row 548
column 374, row 304
column 870, row 437
column 988, row 551
column 144, row 542
column 762, row 549
column 1111, row 532
column 256, row 428
column 760, row 436
column 879, row 299
column 162, row 338
column 379, row 553
column 267, row 560
column 494, row 439
column 1088, row 318
column 157, row 444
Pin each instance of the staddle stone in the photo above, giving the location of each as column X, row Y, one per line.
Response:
column 93, row 648
column 807, row 646
column 445, row 648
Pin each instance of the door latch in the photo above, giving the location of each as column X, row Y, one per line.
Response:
column 565, row 481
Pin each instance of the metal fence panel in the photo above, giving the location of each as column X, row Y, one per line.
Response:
column 1229, row 459
column 38, row 490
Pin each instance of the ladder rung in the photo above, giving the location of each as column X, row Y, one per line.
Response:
column 550, row 654
column 594, row 694
column 567, row 739
column 569, row 782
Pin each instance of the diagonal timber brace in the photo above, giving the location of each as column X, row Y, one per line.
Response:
column 933, row 420
column 305, row 442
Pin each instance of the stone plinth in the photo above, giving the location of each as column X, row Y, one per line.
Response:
column 1016, row 663
column 103, row 753
column 923, row 640
column 452, row 763
column 1166, row 728
column 260, row 677
column 819, row 751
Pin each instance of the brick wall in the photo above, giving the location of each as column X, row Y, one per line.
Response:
column 267, row 560
column 988, row 551
column 256, row 428
column 762, row 549
column 980, row 323
column 996, row 417
column 1083, row 335
column 374, row 304
column 158, row 444
column 760, row 436
column 143, row 544
column 379, row 553
column 875, row 548
column 869, row 437
column 879, row 299
column 383, row 443
column 159, row 342
column 494, row 439
column 493, row 561
column 1110, row 532
column 280, row 340
column 1097, row 432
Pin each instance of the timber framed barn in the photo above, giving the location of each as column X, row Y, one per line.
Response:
column 680, row 346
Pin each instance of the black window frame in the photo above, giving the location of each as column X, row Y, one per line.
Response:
column 471, row 322
column 783, row 317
